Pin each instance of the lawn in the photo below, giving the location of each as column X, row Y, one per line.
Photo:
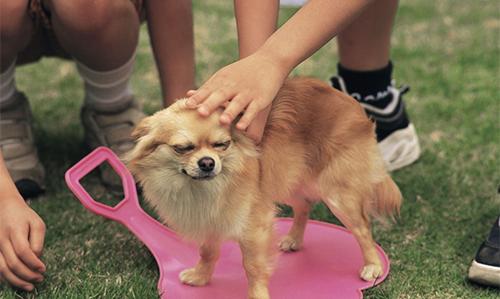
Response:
column 447, row 50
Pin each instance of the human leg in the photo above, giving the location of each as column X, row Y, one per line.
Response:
column 16, row 134
column 102, row 38
column 365, row 72
column 15, row 31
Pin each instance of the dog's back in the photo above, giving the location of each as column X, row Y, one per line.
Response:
column 321, row 139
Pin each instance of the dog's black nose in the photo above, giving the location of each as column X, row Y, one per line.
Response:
column 206, row 164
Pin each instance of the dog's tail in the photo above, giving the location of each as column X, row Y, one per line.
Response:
column 387, row 198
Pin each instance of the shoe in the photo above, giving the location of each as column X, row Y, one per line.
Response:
column 485, row 268
column 18, row 147
column 111, row 128
column 396, row 136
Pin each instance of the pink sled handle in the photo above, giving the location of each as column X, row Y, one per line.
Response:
column 85, row 166
column 128, row 212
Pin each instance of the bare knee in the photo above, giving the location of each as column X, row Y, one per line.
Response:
column 93, row 18
column 13, row 27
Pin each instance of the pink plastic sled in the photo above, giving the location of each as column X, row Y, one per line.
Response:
column 327, row 266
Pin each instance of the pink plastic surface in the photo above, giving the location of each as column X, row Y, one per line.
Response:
column 327, row 266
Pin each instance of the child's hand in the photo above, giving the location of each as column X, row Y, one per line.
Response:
column 249, row 85
column 22, row 234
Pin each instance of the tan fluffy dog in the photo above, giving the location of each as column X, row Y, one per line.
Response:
column 211, row 183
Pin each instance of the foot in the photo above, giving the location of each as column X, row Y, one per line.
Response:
column 290, row 243
column 194, row 278
column 371, row 272
column 18, row 147
column 396, row 136
column 485, row 268
column 111, row 128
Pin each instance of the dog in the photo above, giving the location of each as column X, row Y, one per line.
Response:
column 211, row 183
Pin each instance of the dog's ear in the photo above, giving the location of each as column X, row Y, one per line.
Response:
column 145, row 142
column 143, row 128
column 144, row 146
column 246, row 145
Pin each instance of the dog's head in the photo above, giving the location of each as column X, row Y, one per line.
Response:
column 177, row 143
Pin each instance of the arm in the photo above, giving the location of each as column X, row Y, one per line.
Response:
column 21, row 236
column 254, row 81
column 256, row 21
column 170, row 24
column 309, row 29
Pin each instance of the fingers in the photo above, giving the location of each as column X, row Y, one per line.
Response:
column 25, row 253
column 197, row 97
column 253, row 119
column 250, row 113
column 6, row 274
column 256, row 128
column 37, row 237
column 215, row 100
column 191, row 92
column 233, row 109
column 17, row 266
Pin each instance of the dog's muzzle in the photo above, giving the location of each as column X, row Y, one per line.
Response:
column 202, row 175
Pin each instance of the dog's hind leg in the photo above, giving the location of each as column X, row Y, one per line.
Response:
column 293, row 240
column 200, row 274
column 349, row 209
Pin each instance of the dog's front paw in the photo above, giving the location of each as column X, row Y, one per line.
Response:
column 371, row 272
column 289, row 243
column 258, row 292
column 192, row 277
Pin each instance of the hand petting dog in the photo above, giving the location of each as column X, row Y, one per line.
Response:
column 240, row 88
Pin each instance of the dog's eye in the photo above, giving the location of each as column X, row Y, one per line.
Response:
column 222, row 145
column 182, row 149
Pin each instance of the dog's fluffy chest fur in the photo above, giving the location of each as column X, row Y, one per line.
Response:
column 199, row 209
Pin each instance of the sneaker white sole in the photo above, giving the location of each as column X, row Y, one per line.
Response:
column 400, row 149
column 484, row 274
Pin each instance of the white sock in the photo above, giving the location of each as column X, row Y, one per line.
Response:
column 8, row 83
column 109, row 90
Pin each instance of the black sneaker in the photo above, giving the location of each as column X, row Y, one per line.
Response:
column 485, row 268
column 396, row 136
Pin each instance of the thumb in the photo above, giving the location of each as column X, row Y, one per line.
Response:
column 256, row 128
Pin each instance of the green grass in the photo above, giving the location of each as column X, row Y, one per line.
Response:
column 448, row 51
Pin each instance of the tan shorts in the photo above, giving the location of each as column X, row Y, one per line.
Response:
column 44, row 42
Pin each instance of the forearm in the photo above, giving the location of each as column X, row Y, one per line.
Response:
column 8, row 190
column 256, row 21
column 251, row 84
column 170, row 24
column 309, row 29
